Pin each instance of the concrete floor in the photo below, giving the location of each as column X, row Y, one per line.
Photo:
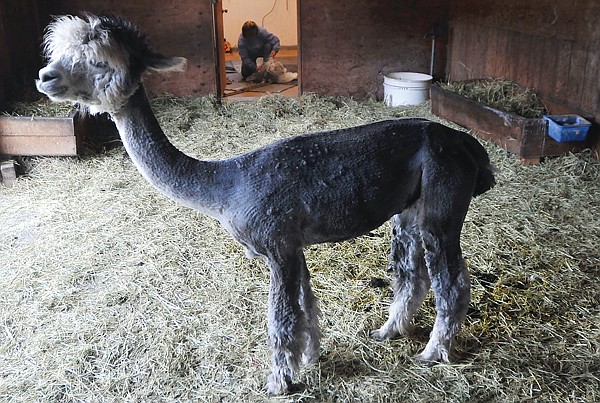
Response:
column 241, row 90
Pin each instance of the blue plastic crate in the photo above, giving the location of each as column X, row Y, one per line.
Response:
column 564, row 128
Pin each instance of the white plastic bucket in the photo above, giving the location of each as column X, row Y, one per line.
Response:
column 404, row 88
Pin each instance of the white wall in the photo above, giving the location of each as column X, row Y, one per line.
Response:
column 282, row 21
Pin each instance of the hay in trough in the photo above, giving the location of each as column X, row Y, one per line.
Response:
column 111, row 292
column 500, row 94
column 41, row 107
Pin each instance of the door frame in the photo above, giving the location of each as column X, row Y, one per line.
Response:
column 219, row 50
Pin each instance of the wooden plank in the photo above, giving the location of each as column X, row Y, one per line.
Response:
column 502, row 69
column 479, row 42
column 472, row 51
column 576, row 74
column 536, row 55
column 36, row 126
column 563, row 64
column 275, row 88
column 512, row 55
column 456, row 46
column 590, row 100
column 467, row 52
column 460, row 67
column 491, row 56
column 520, row 59
column 38, row 145
column 526, row 74
column 547, row 69
column 533, row 138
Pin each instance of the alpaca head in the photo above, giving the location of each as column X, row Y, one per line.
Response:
column 97, row 61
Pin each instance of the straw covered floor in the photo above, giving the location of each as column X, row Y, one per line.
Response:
column 110, row 292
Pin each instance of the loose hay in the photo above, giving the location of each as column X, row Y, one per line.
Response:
column 111, row 292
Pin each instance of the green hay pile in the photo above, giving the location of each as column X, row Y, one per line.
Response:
column 111, row 292
column 501, row 94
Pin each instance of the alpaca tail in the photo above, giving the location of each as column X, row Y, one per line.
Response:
column 485, row 170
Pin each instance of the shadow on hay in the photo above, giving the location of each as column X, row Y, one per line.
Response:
column 101, row 134
column 343, row 365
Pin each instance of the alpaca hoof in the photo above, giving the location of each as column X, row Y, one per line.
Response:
column 275, row 388
column 381, row 335
column 385, row 333
column 428, row 361
column 431, row 358
column 310, row 358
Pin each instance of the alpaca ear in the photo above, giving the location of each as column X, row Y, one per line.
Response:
column 163, row 64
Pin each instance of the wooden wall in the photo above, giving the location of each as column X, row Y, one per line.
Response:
column 19, row 51
column 551, row 46
column 346, row 47
column 175, row 27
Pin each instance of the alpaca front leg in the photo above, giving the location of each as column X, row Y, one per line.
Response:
column 286, row 323
column 450, row 283
column 411, row 282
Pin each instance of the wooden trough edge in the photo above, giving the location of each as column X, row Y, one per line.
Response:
column 526, row 138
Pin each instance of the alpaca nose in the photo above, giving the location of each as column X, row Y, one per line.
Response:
column 48, row 74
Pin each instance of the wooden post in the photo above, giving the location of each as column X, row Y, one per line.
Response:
column 7, row 173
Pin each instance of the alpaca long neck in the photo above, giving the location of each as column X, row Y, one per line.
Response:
column 182, row 178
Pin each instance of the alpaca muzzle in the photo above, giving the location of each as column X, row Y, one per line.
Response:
column 50, row 82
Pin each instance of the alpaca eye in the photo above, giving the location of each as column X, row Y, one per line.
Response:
column 91, row 36
column 99, row 65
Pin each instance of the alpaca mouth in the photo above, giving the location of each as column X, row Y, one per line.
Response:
column 50, row 90
column 57, row 94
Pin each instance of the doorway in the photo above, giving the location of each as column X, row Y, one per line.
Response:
column 279, row 17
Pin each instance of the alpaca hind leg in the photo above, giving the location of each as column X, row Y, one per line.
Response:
column 287, row 323
column 411, row 282
column 450, row 283
column 310, row 307
column 446, row 193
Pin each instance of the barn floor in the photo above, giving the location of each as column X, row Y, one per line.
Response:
column 240, row 90
column 111, row 292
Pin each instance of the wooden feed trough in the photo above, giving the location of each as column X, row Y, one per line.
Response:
column 28, row 136
column 50, row 136
column 526, row 138
column 45, row 136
